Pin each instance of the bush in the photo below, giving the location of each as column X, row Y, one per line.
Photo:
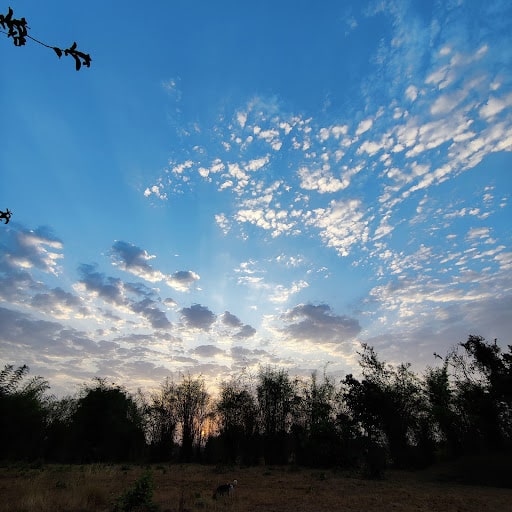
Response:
column 138, row 498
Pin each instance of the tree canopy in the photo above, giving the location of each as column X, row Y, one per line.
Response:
column 389, row 415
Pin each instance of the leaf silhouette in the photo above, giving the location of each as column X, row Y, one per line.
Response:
column 80, row 57
column 18, row 30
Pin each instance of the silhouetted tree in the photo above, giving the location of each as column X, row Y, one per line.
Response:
column 237, row 415
column 161, row 421
column 445, row 422
column 58, row 445
column 483, row 393
column 192, row 402
column 23, row 414
column 317, row 440
column 106, row 425
column 17, row 30
column 386, row 403
column 276, row 394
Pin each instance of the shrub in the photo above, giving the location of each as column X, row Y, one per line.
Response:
column 139, row 497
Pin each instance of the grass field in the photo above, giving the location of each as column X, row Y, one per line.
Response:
column 190, row 487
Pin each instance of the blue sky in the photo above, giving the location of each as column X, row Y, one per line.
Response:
column 232, row 185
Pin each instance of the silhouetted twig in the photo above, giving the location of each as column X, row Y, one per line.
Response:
column 5, row 215
column 18, row 30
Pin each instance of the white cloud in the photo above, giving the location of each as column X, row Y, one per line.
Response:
column 241, row 118
column 364, row 126
column 257, row 163
column 182, row 280
column 411, row 92
column 341, row 225
column 320, row 180
column 478, row 233
column 281, row 294
column 494, row 106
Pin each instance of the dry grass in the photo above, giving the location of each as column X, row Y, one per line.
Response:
column 183, row 488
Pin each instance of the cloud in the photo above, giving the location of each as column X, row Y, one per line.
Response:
column 198, row 317
column 276, row 222
column 341, row 225
column 156, row 190
column 231, row 320
column 17, row 285
column 494, row 106
column 364, row 126
column 152, row 313
column 207, row 351
column 321, row 180
column 244, row 331
column 41, row 340
column 110, row 289
column 133, row 259
column 247, row 331
column 59, row 303
column 244, row 356
column 171, row 303
column 223, row 222
column 478, row 233
column 26, row 248
column 317, row 324
column 281, row 294
column 182, row 280
column 411, row 92
column 125, row 297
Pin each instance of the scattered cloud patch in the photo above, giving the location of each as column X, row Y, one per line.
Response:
column 198, row 317
column 182, row 280
column 133, row 259
column 26, row 248
column 207, row 351
column 317, row 324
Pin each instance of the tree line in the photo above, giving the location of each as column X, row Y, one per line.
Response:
column 389, row 415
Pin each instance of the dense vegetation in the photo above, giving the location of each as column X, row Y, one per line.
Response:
column 388, row 416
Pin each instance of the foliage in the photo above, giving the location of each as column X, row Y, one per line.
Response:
column 23, row 413
column 276, row 396
column 17, row 29
column 483, row 394
column 387, row 415
column 315, row 429
column 139, row 497
column 387, row 404
column 106, row 425
column 192, row 401
column 238, row 422
column 161, row 421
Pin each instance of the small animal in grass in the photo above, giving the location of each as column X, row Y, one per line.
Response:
column 225, row 489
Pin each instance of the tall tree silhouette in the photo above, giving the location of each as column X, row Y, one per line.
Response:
column 23, row 414
column 276, row 394
column 237, row 412
column 161, row 421
column 387, row 403
column 192, row 401
column 106, row 426
column 483, row 393
column 317, row 440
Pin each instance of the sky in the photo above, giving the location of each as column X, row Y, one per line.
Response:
column 233, row 185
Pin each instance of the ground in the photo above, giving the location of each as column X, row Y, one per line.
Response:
column 183, row 488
